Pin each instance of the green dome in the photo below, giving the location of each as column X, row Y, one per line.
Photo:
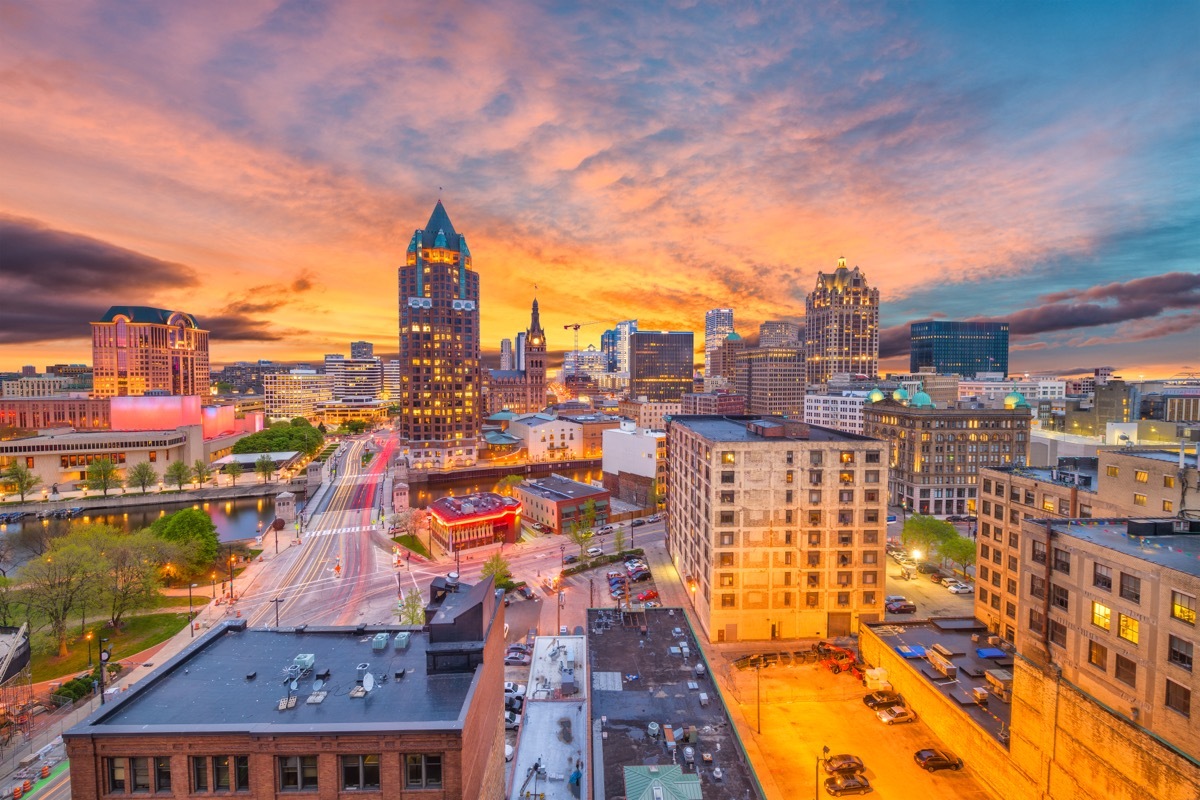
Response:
column 875, row 396
column 733, row 337
column 900, row 396
column 922, row 400
column 1015, row 400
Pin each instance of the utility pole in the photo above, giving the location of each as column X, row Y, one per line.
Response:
column 276, row 603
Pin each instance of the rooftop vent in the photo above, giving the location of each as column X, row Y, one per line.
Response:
column 305, row 660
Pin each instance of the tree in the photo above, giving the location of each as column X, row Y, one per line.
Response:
column 203, row 471
column 655, row 498
column 925, row 533
column 497, row 568
column 10, row 603
column 959, row 550
column 234, row 470
column 102, row 475
column 300, row 422
column 412, row 608
column 178, row 473
column 129, row 568
column 282, row 436
column 322, row 428
column 192, row 529
column 508, row 482
column 21, row 478
column 619, row 539
column 224, row 387
column 581, row 531
column 55, row 584
column 265, row 467
column 142, row 475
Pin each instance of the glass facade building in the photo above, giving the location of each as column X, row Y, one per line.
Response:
column 959, row 348
column 660, row 364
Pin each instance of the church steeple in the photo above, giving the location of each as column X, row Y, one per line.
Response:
column 535, row 320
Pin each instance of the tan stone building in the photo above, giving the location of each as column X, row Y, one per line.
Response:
column 137, row 349
column 776, row 527
column 1104, row 705
column 772, row 380
column 648, row 413
column 1151, row 481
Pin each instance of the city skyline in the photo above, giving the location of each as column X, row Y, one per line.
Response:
column 1027, row 163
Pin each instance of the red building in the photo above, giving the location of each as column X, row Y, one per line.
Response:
column 460, row 523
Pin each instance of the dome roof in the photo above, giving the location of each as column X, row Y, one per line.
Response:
column 733, row 337
column 900, row 396
column 874, row 396
column 1015, row 400
column 922, row 400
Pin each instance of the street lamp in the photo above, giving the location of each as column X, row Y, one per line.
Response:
column 104, row 656
column 88, row 636
column 231, row 572
column 817, row 772
column 562, row 555
column 214, row 585
column 191, row 627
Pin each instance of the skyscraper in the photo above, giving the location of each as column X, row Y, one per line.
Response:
column 778, row 333
column 608, row 344
column 506, row 354
column 772, row 380
column 718, row 324
column 137, row 349
column 625, row 329
column 439, row 347
column 362, row 350
column 841, row 326
column 959, row 348
column 660, row 364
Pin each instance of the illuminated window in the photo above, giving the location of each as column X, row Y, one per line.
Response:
column 1141, row 476
column 1183, row 607
column 1113, row 472
column 1101, row 616
column 1139, row 499
column 1168, row 481
column 1127, row 628
column 727, row 457
column 1098, row 655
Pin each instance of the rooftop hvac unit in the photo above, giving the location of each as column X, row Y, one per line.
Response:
column 402, row 639
column 380, row 642
column 304, row 661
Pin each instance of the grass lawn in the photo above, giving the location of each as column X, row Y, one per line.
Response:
column 412, row 543
column 137, row 634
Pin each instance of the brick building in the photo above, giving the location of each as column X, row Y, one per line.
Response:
column 35, row 413
column 557, row 501
column 460, row 523
column 220, row 716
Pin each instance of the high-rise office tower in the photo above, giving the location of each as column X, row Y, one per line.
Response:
column 772, row 380
column 660, row 365
column 362, row 350
column 841, row 326
column 506, row 354
column 624, row 331
column 718, row 324
column 959, row 348
column 137, row 349
column 778, row 333
column 439, row 347
column 608, row 345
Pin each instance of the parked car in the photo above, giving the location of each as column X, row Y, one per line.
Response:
column 606, row 529
column 519, row 647
column 614, row 573
column 511, row 721
column 895, row 715
column 514, row 689
column 882, row 699
column 938, row 576
column 594, row 552
column 894, row 598
column 926, row 567
column 654, row 518
column 525, row 592
column 959, row 588
column 571, row 559
column 842, row 763
column 516, row 659
column 847, row 783
column 640, row 576
column 956, row 518
column 651, row 594
column 652, row 604
column 901, row 608
column 637, row 523
column 934, row 758
column 514, row 704
column 636, row 563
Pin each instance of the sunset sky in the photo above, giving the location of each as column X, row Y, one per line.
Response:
column 262, row 165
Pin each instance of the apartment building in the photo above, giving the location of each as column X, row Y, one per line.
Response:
column 841, row 411
column 1156, row 482
column 777, row 527
column 288, row 395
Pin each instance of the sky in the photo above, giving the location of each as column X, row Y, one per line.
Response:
column 262, row 165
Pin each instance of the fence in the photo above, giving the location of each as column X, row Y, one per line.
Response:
column 44, row 729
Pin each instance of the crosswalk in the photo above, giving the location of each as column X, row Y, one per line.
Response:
column 335, row 531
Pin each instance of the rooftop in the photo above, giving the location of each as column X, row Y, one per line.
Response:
column 738, row 429
column 1062, row 475
column 1170, row 456
column 450, row 509
column 1168, row 542
column 557, row 487
column 967, row 643
column 141, row 314
column 645, row 683
column 233, row 680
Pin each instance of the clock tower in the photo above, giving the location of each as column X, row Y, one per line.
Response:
column 535, row 361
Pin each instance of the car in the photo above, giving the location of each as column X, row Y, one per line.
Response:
column 512, row 689
column 958, row 587
column 514, row 704
column 652, row 604
column 638, row 577
column 637, row 523
column 509, row 752
column 901, row 608
column 847, row 783
column 614, row 585
column 606, row 529
column 513, row 659
column 650, row 594
column 935, row 758
column 525, row 592
column 511, row 721
column 637, row 564
column 842, row 763
column 654, row 518
column 894, row 598
column 956, row 518
column 882, row 699
column 594, row 552
column 927, row 567
column 571, row 559
column 895, row 715
column 518, row 649
column 614, row 573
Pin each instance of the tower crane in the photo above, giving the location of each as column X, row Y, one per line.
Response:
column 576, row 326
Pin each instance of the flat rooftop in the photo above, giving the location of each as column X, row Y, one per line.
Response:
column 643, row 678
column 1179, row 551
column 1060, row 476
column 737, row 429
column 473, row 505
column 974, row 660
column 233, row 679
column 1172, row 457
column 558, row 488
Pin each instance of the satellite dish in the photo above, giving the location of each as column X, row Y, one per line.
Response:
column 317, row 684
column 368, row 682
column 293, row 685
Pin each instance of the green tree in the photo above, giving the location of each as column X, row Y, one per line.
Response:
column 300, row 422
column 10, row 603
column 509, row 482
column 655, row 498
column 497, row 568
column 142, row 475
column 265, row 467
column 619, row 539
column 412, row 608
column 234, row 470
column 282, row 436
column 129, row 568
column 193, row 531
column 321, row 428
column 102, row 475
column 54, row 584
column 202, row 471
column 581, row 531
column 925, row 533
column 224, row 387
column 958, row 550
column 178, row 473
column 21, row 478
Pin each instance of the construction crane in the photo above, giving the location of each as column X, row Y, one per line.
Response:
column 576, row 326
